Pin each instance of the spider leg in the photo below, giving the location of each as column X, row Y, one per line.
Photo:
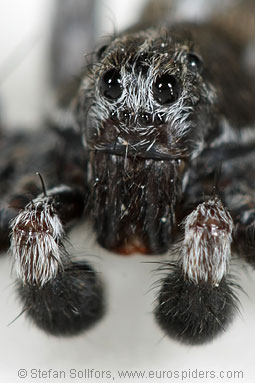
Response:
column 237, row 185
column 6, row 215
column 60, row 296
column 196, row 301
column 244, row 231
column 49, row 152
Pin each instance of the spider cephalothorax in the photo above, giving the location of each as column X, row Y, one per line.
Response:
column 144, row 108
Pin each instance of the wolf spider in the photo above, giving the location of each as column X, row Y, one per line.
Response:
column 157, row 150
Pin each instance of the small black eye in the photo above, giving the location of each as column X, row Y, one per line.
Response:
column 166, row 89
column 101, row 51
column 195, row 62
column 110, row 84
column 142, row 64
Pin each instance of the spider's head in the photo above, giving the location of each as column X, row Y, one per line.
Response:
column 143, row 109
column 145, row 97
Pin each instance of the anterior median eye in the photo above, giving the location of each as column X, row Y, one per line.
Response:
column 110, row 84
column 166, row 89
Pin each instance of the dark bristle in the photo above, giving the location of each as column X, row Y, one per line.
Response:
column 194, row 313
column 68, row 305
column 42, row 183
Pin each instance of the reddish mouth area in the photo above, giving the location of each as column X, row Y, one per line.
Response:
column 132, row 246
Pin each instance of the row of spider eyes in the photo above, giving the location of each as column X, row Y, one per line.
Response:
column 166, row 88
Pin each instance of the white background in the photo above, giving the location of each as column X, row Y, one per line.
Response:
column 127, row 338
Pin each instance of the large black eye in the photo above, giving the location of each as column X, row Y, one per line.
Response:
column 195, row 62
column 110, row 84
column 166, row 89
